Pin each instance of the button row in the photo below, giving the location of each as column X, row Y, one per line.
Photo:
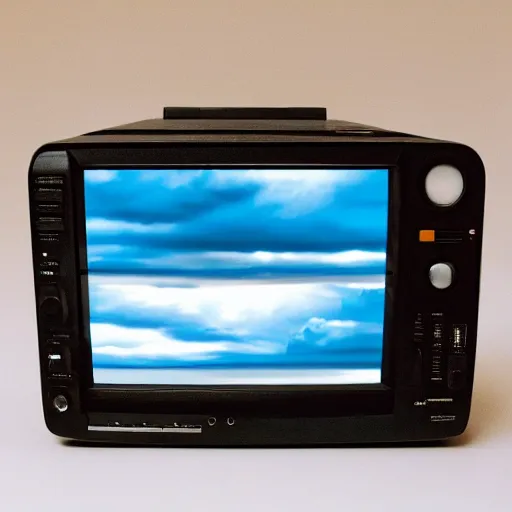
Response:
column 53, row 224
column 49, row 198
column 419, row 328
column 445, row 350
column 48, row 195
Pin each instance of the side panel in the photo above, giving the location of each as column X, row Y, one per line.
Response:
column 439, row 326
column 56, row 291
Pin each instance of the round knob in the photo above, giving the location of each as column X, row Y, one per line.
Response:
column 444, row 185
column 60, row 403
column 441, row 275
column 51, row 306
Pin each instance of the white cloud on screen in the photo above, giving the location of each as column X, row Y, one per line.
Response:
column 99, row 176
column 301, row 177
column 232, row 307
column 310, row 376
column 234, row 376
column 298, row 190
column 323, row 331
column 100, row 225
column 178, row 179
column 201, row 260
column 360, row 282
column 337, row 258
column 231, row 304
column 121, row 341
column 96, row 252
column 235, row 308
column 378, row 284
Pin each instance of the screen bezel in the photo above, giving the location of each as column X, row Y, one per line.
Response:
column 350, row 398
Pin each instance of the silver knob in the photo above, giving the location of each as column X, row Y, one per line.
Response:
column 444, row 185
column 60, row 403
column 441, row 275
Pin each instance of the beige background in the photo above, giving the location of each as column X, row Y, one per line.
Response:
column 437, row 68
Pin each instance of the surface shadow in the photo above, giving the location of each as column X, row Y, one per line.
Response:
column 423, row 444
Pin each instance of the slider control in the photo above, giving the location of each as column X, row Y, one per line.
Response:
column 457, row 372
column 419, row 329
column 416, row 369
column 59, row 361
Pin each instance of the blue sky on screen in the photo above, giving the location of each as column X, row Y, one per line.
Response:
column 236, row 268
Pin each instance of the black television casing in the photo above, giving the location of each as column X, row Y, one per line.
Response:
column 427, row 381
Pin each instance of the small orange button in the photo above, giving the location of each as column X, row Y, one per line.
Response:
column 427, row 235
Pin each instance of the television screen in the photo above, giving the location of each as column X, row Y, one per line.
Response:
column 236, row 276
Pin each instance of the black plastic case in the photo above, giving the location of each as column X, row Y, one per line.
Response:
column 427, row 373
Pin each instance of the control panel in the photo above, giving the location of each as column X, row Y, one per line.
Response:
column 441, row 337
column 55, row 281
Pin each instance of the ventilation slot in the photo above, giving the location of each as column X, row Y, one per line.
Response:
column 449, row 237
